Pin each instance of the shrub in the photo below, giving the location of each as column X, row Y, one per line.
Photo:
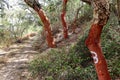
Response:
column 111, row 46
column 62, row 65
column 76, row 64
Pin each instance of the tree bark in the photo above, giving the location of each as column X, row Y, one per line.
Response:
column 118, row 9
column 75, row 19
column 37, row 7
column 100, row 18
column 65, row 27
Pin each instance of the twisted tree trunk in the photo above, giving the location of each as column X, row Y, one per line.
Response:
column 37, row 7
column 100, row 18
column 75, row 20
column 65, row 28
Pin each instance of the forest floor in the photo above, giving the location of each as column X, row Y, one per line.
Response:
column 14, row 61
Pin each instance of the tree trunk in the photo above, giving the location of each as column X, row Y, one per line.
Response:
column 118, row 9
column 37, row 7
column 65, row 28
column 75, row 19
column 47, row 28
column 100, row 18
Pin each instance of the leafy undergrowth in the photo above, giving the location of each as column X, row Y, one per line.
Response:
column 76, row 63
column 60, row 64
column 111, row 47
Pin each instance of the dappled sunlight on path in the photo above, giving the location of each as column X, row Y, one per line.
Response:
column 14, row 61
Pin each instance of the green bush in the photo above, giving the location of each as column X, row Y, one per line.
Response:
column 76, row 64
column 111, row 46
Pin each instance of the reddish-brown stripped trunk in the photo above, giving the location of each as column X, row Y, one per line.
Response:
column 37, row 7
column 65, row 28
column 47, row 28
column 101, row 15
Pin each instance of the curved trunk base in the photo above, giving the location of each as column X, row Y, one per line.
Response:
column 46, row 23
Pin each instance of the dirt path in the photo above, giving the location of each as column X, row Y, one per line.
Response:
column 14, row 61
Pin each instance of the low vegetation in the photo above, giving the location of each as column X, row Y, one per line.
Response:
column 76, row 63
